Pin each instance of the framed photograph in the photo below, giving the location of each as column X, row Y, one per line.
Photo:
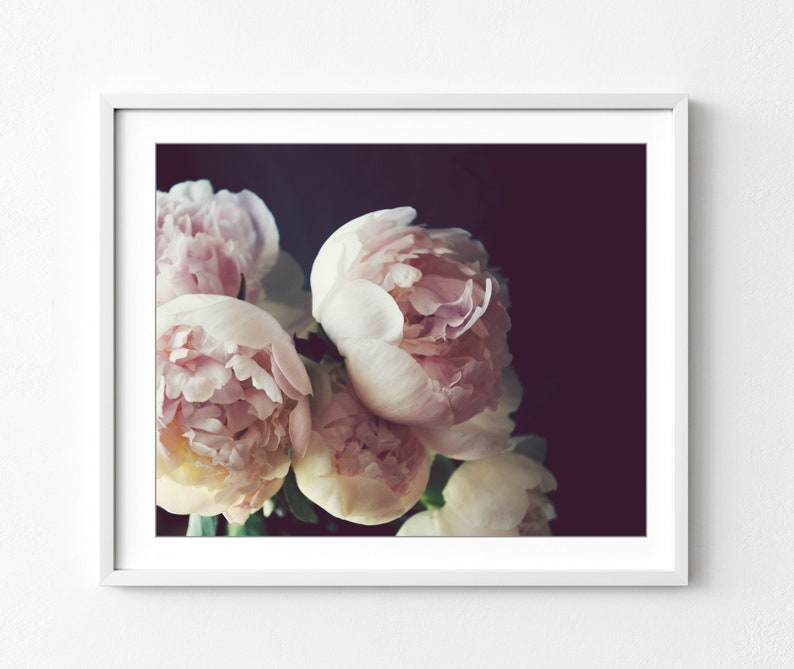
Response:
column 394, row 340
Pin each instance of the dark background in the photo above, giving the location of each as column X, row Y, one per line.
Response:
column 564, row 223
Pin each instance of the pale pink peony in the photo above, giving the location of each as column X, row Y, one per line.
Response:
column 206, row 241
column 421, row 322
column 358, row 467
column 232, row 406
column 503, row 495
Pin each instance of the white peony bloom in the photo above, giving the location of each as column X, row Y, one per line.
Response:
column 502, row 495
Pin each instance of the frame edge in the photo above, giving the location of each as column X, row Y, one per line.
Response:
column 109, row 575
column 107, row 502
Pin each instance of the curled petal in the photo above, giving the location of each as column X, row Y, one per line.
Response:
column 343, row 309
column 484, row 435
column 392, row 384
column 192, row 191
column 300, row 426
column 342, row 248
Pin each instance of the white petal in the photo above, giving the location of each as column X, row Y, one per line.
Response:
column 399, row 216
column 512, row 392
column 455, row 524
column 192, row 191
column 300, row 426
column 445, row 522
column 224, row 318
column 267, row 232
column 362, row 310
column 391, row 384
column 547, row 480
column 289, row 366
column 491, row 492
column 423, row 524
column 341, row 249
column 183, row 499
column 465, row 441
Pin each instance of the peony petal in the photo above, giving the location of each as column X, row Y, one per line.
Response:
column 399, row 217
column 362, row 310
column 466, row 441
column 391, row 384
column 478, row 311
column 535, row 442
column 445, row 522
column 423, row 524
column 205, row 380
column 482, row 436
column 340, row 250
column 184, row 499
column 357, row 499
column 247, row 368
column 300, row 426
column 291, row 367
column 192, row 191
column 491, row 492
column 224, row 318
column 238, row 514
column 266, row 232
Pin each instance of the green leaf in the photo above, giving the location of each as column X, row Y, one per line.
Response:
column 440, row 471
column 253, row 527
column 202, row 526
column 298, row 503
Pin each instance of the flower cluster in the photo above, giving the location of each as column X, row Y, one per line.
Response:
column 396, row 362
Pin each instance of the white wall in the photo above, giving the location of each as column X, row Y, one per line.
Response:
column 734, row 58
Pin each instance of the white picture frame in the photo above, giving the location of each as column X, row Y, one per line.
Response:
column 130, row 554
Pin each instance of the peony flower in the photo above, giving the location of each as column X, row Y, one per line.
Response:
column 232, row 406
column 420, row 321
column 206, row 241
column 358, row 466
column 502, row 495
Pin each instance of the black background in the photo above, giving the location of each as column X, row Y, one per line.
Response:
column 564, row 223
